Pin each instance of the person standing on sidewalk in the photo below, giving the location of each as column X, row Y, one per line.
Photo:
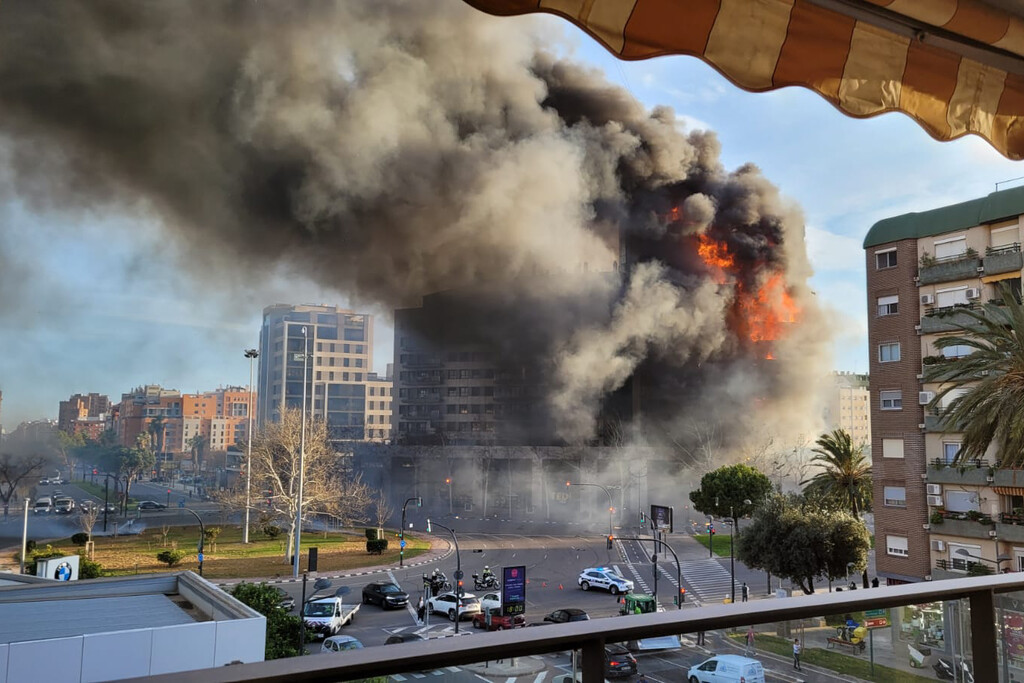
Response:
column 750, row 641
column 796, row 654
column 421, row 609
column 746, row 592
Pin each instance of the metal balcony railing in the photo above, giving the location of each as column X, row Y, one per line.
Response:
column 983, row 593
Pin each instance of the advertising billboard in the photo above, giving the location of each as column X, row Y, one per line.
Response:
column 661, row 517
column 513, row 591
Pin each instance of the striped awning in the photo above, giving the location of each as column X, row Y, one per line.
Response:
column 955, row 66
column 1009, row 490
column 1001, row 276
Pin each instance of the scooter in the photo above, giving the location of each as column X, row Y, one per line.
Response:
column 489, row 582
column 944, row 670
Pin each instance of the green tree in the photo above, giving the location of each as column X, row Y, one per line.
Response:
column 988, row 381
column 129, row 463
column 15, row 473
column 802, row 544
column 70, row 447
column 196, row 444
column 725, row 492
column 282, row 628
column 845, row 474
column 157, row 429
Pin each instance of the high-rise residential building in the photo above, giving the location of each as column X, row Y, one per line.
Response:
column 454, row 386
column 138, row 408
column 922, row 270
column 339, row 367
column 847, row 406
column 86, row 414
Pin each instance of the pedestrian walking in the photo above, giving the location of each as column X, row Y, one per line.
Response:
column 750, row 641
column 700, row 637
column 746, row 592
column 421, row 609
column 796, row 655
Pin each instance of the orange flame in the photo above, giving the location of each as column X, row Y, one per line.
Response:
column 762, row 315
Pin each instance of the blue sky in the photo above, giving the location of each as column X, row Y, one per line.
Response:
column 105, row 303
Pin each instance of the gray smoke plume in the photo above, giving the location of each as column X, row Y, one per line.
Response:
column 391, row 149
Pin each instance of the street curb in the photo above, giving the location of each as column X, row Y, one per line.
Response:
column 428, row 558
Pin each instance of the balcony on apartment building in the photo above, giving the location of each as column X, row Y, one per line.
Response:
column 1004, row 259
column 420, row 378
column 970, row 524
column 975, row 472
column 1010, row 527
column 945, row 319
column 949, row 268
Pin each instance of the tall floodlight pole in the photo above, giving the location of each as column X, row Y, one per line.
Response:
column 251, row 354
column 302, row 451
column 24, row 537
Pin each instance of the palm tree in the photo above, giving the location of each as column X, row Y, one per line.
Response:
column 196, row 445
column 845, row 474
column 157, row 429
column 989, row 380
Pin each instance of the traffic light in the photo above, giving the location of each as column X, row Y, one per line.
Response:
column 709, row 528
column 462, row 591
column 682, row 596
column 95, row 471
column 568, row 483
column 448, row 480
column 643, row 517
column 610, row 541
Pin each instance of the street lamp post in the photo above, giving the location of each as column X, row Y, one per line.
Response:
column 401, row 544
column 448, row 480
column 679, row 567
column 106, row 497
column 611, row 508
column 302, row 452
column 732, row 554
column 251, row 354
column 24, row 537
column 458, row 571
column 202, row 537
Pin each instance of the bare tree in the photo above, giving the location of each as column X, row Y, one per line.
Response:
column 15, row 473
column 87, row 519
column 381, row 511
column 326, row 485
column 699, row 446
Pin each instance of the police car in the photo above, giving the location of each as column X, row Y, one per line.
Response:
column 606, row 578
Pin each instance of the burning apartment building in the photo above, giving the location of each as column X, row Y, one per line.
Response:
column 393, row 150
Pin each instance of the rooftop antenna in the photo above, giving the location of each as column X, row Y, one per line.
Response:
column 1011, row 180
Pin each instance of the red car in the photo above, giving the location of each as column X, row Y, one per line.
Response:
column 498, row 622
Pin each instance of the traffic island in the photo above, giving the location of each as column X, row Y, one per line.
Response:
column 504, row 668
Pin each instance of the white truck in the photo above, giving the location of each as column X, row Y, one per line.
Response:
column 326, row 616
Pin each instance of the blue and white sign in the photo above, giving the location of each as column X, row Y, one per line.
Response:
column 513, row 591
column 63, row 572
column 200, row 557
column 59, row 568
column 402, row 543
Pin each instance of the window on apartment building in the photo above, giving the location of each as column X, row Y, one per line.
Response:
column 888, row 305
column 950, row 248
column 344, row 362
column 358, row 376
column 945, row 298
column 962, row 501
column 889, row 352
column 344, row 377
column 372, row 391
column 949, row 451
column 892, row 448
column 1005, row 236
column 360, row 348
column 896, row 545
column 895, row 496
column 359, row 362
column 957, row 351
column 890, row 400
column 320, row 347
column 369, row 419
column 885, row 259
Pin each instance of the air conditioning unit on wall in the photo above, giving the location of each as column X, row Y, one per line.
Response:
column 935, row 501
column 939, row 545
column 973, row 293
column 934, row 489
column 927, row 299
column 925, row 397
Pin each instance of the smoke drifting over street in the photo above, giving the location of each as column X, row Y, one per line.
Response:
column 393, row 149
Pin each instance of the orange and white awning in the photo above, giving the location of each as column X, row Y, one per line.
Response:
column 956, row 66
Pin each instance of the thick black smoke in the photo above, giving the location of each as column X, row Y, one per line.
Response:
column 392, row 149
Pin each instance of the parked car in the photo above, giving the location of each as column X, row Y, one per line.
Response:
column 564, row 616
column 43, row 505
column 497, row 622
column 151, row 505
column 285, row 601
column 604, row 577
column 445, row 604
column 386, row 594
column 490, row 601
column 63, row 506
column 727, row 669
column 618, row 661
column 404, row 638
column 340, row 644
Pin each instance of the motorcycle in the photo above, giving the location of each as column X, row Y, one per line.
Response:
column 944, row 670
column 487, row 583
column 439, row 584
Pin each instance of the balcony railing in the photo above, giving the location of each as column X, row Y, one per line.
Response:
column 984, row 595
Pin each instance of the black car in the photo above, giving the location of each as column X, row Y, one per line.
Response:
column 403, row 638
column 285, row 601
column 564, row 616
column 618, row 661
column 386, row 594
column 151, row 505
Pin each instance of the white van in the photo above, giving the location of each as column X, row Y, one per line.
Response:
column 44, row 504
column 727, row 669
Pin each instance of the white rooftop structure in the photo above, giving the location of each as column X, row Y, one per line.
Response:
column 106, row 629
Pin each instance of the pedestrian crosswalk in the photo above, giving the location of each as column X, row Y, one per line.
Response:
column 424, row 674
column 710, row 580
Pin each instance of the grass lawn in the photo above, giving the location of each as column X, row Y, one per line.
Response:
column 229, row 557
column 721, row 543
column 858, row 666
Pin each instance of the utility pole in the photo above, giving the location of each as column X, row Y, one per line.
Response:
column 251, row 354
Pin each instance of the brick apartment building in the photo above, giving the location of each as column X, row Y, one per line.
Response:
column 922, row 268
column 87, row 414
